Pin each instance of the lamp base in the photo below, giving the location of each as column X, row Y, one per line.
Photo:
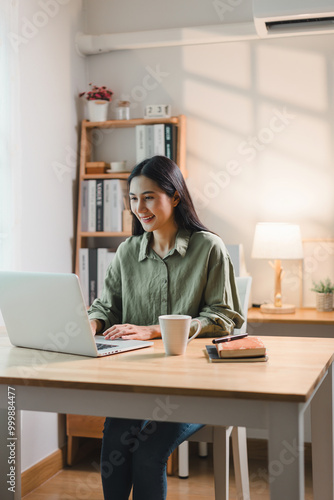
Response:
column 284, row 309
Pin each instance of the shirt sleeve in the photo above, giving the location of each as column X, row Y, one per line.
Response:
column 221, row 312
column 108, row 307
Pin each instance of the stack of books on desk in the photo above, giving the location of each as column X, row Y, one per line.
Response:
column 248, row 349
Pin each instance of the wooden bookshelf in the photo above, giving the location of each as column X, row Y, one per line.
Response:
column 87, row 129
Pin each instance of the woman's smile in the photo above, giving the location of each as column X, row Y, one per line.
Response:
column 147, row 218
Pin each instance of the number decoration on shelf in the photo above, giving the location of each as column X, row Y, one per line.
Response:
column 158, row 111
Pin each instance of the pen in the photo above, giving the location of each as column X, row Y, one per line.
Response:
column 229, row 338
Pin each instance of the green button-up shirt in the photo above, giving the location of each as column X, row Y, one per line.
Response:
column 196, row 278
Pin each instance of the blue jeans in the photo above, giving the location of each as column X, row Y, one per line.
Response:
column 135, row 452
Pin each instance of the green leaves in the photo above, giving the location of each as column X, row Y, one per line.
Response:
column 323, row 286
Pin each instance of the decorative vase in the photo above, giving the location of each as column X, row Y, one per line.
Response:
column 97, row 110
column 324, row 301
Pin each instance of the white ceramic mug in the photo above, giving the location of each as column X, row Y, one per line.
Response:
column 118, row 166
column 175, row 332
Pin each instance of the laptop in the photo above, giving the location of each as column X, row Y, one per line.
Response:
column 47, row 311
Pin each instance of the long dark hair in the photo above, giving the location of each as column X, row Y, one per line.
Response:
column 169, row 178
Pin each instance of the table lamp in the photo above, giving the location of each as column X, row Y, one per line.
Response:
column 277, row 241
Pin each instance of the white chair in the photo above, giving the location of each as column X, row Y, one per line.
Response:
column 219, row 435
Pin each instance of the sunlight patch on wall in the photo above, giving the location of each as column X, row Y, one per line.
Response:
column 218, row 106
column 301, row 135
column 293, row 76
column 215, row 144
column 217, row 63
column 292, row 190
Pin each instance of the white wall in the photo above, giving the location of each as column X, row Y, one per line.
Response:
column 51, row 75
column 267, row 105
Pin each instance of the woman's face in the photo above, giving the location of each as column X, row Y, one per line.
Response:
column 151, row 205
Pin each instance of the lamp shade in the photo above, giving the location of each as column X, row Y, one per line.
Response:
column 277, row 240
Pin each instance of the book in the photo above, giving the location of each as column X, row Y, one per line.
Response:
column 99, row 205
column 107, row 205
column 175, row 143
column 119, row 192
column 91, row 205
column 140, row 143
column 149, row 152
column 92, row 274
column 211, row 353
column 84, row 206
column 101, row 270
column 169, row 141
column 242, row 348
column 83, row 273
column 159, row 139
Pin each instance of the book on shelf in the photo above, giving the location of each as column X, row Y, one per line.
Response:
column 88, row 205
column 91, row 205
column 169, row 141
column 93, row 265
column 83, row 273
column 141, row 143
column 92, row 275
column 157, row 139
column 99, row 205
column 103, row 204
column 118, row 194
column 242, row 350
column 149, row 152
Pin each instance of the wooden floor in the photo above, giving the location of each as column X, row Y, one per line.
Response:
column 82, row 482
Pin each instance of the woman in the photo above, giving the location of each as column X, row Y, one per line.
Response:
column 171, row 265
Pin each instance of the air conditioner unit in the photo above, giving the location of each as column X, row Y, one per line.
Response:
column 293, row 17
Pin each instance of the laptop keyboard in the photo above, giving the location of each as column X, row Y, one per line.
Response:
column 101, row 347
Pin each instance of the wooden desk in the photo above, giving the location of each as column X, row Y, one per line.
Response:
column 302, row 316
column 148, row 384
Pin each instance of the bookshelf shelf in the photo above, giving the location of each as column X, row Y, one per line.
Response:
column 104, row 234
column 116, row 175
column 132, row 123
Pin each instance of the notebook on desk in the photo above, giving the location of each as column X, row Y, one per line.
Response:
column 47, row 311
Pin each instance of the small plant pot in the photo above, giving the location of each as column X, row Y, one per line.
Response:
column 97, row 110
column 324, row 301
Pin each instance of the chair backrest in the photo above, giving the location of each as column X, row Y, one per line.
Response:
column 244, row 287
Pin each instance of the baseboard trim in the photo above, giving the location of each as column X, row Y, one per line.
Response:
column 33, row 477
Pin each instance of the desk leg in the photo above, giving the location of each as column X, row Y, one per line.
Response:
column 286, row 451
column 10, row 450
column 322, row 414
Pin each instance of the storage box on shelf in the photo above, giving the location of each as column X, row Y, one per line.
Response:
column 82, row 426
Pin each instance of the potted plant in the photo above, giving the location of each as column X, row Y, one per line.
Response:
column 324, row 294
column 98, row 99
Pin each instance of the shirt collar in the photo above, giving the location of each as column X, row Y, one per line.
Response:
column 181, row 244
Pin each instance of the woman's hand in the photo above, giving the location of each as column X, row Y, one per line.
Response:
column 96, row 325
column 133, row 332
